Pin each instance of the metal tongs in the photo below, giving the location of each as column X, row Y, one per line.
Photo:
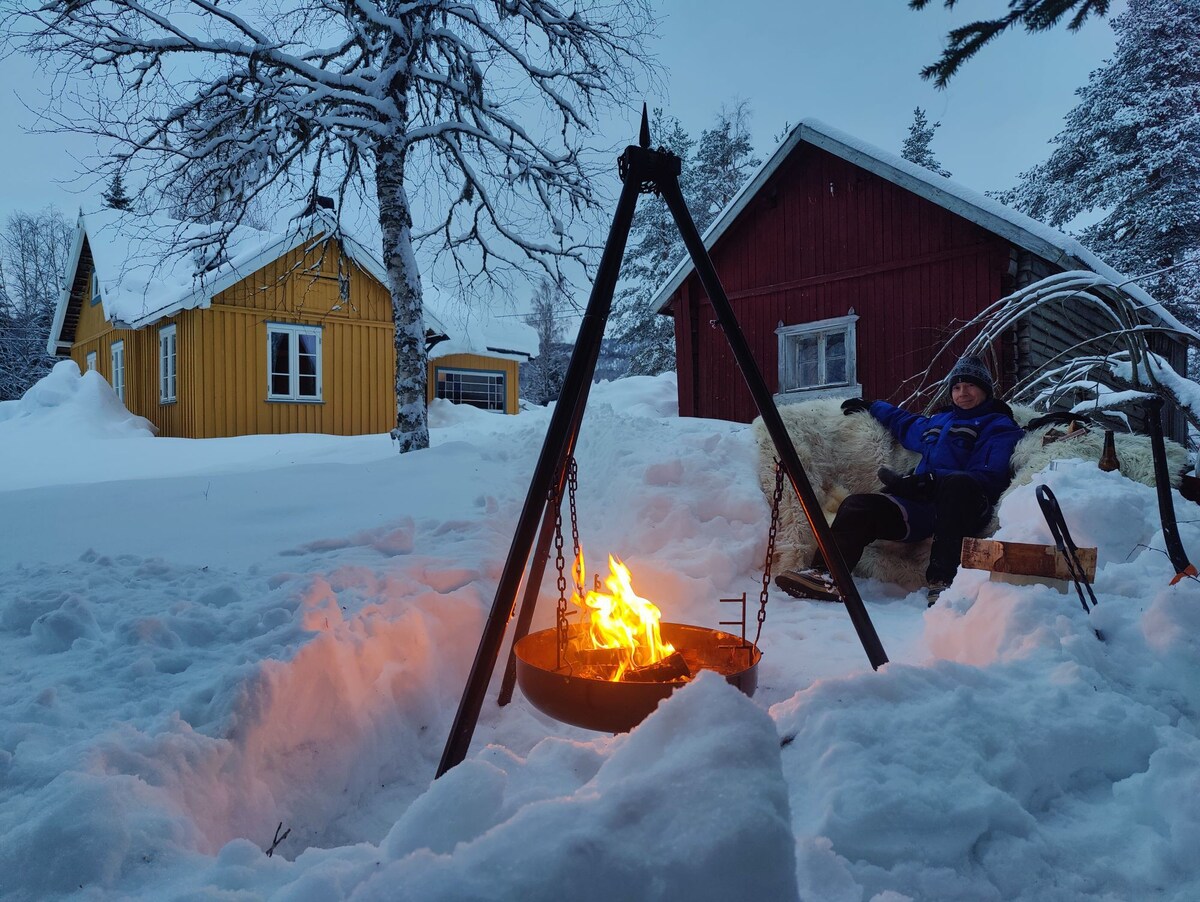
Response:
column 1065, row 544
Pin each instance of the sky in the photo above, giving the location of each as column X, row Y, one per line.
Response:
column 206, row 646
column 855, row 65
column 852, row 63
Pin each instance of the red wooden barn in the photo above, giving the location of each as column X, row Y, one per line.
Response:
column 849, row 268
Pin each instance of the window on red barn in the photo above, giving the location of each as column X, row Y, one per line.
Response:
column 818, row 359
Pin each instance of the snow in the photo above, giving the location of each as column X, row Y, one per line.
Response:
column 475, row 331
column 205, row 642
column 150, row 267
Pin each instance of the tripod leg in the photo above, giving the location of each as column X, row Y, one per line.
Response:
column 533, row 585
column 669, row 188
column 560, row 438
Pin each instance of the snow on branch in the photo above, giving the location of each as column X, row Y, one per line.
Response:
column 261, row 102
column 1116, row 368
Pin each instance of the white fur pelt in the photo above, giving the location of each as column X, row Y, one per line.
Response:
column 842, row 454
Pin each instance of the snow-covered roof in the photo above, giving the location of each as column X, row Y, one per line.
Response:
column 152, row 267
column 483, row 332
column 1038, row 238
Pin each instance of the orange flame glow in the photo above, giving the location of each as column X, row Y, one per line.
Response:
column 620, row 619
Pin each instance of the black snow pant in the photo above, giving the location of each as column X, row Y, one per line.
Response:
column 959, row 508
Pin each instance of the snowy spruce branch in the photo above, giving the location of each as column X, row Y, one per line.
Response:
column 965, row 41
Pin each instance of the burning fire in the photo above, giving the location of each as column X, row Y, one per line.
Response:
column 620, row 620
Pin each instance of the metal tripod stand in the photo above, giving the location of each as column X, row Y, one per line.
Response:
column 642, row 171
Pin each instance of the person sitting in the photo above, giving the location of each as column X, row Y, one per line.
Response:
column 965, row 449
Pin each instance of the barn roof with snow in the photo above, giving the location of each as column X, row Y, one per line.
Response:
column 854, row 273
column 1050, row 244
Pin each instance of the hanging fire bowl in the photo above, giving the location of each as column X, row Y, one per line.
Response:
column 570, row 695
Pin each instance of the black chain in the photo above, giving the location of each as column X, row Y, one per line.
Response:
column 766, row 579
column 560, row 562
column 572, row 486
column 560, row 622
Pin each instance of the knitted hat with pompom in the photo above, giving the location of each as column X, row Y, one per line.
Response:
column 973, row 370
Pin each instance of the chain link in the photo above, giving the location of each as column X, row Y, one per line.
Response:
column 572, row 486
column 560, row 563
column 766, row 578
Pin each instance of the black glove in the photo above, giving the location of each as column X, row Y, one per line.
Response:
column 918, row 488
column 855, row 405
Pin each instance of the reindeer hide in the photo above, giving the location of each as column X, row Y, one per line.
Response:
column 841, row 455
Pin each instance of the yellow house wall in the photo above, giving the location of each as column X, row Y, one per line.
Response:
column 477, row 362
column 229, row 342
column 222, row 355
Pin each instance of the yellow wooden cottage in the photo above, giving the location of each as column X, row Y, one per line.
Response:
column 287, row 331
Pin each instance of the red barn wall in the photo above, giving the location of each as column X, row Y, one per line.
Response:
column 821, row 237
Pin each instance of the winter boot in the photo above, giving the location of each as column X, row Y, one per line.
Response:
column 934, row 591
column 812, row 583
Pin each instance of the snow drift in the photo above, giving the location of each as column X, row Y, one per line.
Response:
column 282, row 659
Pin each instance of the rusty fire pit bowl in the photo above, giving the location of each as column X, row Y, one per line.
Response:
column 616, row 707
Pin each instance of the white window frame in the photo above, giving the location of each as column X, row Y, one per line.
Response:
column 95, row 287
column 168, row 365
column 789, row 387
column 493, row 392
column 90, row 361
column 117, row 358
column 293, row 332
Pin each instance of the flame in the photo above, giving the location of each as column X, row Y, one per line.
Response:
column 620, row 619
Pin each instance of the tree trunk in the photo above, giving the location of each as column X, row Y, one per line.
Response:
column 404, row 283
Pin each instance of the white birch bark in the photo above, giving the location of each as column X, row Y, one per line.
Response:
column 404, row 282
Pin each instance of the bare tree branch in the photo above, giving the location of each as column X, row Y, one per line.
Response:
column 1126, row 362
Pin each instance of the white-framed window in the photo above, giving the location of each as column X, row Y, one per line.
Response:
column 293, row 362
column 118, row 369
column 168, row 364
column 819, row 358
column 95, row 288
column 91, row 361
column 485, row 389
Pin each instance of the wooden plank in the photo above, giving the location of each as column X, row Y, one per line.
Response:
column 1024, row 559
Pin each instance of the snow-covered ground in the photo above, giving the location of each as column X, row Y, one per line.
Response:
column 202, row 640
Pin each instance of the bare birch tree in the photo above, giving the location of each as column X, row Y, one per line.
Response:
column 33, row 254
column 462, row 122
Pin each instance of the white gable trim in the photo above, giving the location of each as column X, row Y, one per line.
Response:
column 54, row 342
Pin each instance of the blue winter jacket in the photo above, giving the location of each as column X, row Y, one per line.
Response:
column 979, row 441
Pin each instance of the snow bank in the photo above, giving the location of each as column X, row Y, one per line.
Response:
column 66, row 405
column 691, row 805
column 70, row 428
column 287, row 650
